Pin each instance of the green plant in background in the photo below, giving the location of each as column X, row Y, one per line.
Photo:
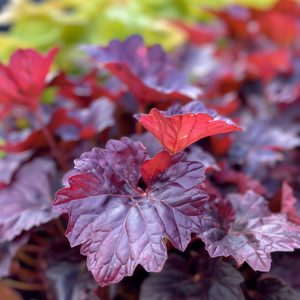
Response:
column 68, row 23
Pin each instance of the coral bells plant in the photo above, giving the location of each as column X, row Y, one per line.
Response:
column 147, row 175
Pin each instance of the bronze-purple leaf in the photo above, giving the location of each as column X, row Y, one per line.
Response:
column 26, row 201
column 121, row 225
column 251, row 235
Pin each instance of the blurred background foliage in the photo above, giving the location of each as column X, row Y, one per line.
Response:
column 70, row 23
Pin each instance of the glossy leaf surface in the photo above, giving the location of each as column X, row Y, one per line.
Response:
column 179, row 127
column 119, row 224
column 244, row 227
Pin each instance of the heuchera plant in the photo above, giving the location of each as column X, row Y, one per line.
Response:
column 206, row 200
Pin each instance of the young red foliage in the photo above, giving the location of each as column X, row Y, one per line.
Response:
column 179, row 127
column 23, row 80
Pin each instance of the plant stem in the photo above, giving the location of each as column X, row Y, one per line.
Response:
column 25, row 286
column 25, row 258
column 138, row 125
column 60, row 226
column 51, row 142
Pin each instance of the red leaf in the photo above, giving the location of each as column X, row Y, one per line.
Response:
column 287, row 204
column 252, row 235
column 268, row 64
column 147, row 72
column 179, row 127
column 120, row 225
column 23, row 80
column 202, row 33
column 281, row 28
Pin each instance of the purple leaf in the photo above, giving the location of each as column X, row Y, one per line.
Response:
column 119, row 224
column 64, row 273
column 152, row 145
column 147, row 72
column 196, row 153
column 10, row 163
column 26, row 202
column 94, row 119
column 253, row 150
column 214, row 279
column 8, row 251
column 274, row 288
column 288, row 269
column 252, row 235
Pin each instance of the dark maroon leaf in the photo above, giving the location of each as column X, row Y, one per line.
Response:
column 65, row 274
column 7, row 252
column 251, row 235
column 273, row 288
column 147, row 72
column 26, row 201
column 214, row 279
column 178, row 127
column 288, row 269
column 112, row 216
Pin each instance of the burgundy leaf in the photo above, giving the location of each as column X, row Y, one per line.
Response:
column 64, row 273
column 23, row 80
column 8, row 251
column 180, row 126
column 26, row 201
column 214, row 279
column 273, row 288
column 287, row 204
column 84, row 90
column 147, row 72
column 195, row 153
column 119, row 224
column 288, row 269
column 251, row 235
column 92, row 120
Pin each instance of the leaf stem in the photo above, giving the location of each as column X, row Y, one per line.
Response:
column 138, row 125
column 51, row 142
column 25, row 286
column 25, row 258
column 60, row 226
